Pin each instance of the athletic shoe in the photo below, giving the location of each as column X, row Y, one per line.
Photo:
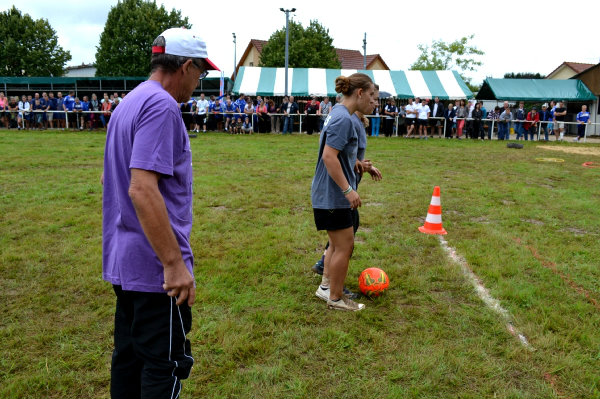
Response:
column 318, row 267
column 345, row 304
column 322, row 293
column 576, row 139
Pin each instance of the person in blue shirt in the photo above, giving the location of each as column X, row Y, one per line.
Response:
column 482, row 125
column 246, row 126
column 38, row 112
column 545, row 118
column 583, row 118
column 229, row 110
column 59, row 116
column 77, row 112
column 85, row 118
column 68, row 104
column 215, row 110
column 520, row 115
column 240, row 105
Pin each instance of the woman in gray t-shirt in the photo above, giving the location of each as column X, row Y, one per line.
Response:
column 333, row 191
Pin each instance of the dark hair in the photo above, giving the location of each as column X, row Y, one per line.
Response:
column 347, row 84
column 168, row 62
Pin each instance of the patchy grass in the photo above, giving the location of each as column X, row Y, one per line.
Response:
column 528, row 229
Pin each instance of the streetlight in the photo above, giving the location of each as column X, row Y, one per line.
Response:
column 365, row 52
column 234, row 57
column 287, row 17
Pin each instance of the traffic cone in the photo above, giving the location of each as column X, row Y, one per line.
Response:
column 433, row 222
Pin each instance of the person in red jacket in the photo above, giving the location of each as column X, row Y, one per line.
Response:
column 531, row 123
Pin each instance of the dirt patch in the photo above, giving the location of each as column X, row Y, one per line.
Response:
column 533, row 221
column 576, row 231
column 481, row 219
column 453, row 212
column 365, row 229
column 374, row 204
column 573, row 150
column 219, row 208
column 508, row 202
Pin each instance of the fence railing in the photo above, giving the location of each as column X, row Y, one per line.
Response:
column 494, row 122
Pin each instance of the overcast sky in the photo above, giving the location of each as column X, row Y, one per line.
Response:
column 515, row 36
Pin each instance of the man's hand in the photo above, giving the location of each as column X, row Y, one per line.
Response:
column 179, row 283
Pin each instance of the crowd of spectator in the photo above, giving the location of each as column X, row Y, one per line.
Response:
column 470, row 119
column 422, row 118
column 60, row 112
column 248, row 115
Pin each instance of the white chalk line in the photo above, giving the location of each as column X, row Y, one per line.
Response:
column 483, row 293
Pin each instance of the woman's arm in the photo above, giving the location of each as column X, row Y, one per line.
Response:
column 334, row 169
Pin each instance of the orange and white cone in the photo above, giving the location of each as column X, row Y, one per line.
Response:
column 433, row 222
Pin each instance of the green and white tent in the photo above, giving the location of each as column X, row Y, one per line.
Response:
column 253, row 81
column 535, row 90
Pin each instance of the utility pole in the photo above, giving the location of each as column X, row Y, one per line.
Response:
column 365, row 51
column 287, row 35
column 234, row 57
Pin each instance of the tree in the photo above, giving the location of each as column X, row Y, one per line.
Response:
column 308, row 48
column 523, row 75
column 29, row 47
column 459, row 55
column 126, row 43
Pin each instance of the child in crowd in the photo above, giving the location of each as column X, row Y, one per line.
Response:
column 234, row 125
column 247, row 126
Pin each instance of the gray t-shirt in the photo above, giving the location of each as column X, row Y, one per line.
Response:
column 340, row 133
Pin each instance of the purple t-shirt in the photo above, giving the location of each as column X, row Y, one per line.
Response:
column 146, row 131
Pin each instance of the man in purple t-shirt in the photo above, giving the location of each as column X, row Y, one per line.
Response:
column 147, row 220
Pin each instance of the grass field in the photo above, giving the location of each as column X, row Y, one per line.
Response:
column 528, row 229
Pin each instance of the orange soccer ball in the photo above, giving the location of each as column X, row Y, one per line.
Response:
column 373, row 281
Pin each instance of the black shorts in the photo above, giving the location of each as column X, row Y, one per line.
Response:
column 335, row 219
column 421, row 122
column 410, row 121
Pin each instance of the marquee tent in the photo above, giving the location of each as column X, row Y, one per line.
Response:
column 447, row 85
column 535, row 90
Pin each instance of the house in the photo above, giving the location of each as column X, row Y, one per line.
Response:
column 80, row 71
column 591, row 78
column 350, row 59
column 567, row 70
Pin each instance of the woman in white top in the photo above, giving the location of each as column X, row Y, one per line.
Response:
column 24, row 108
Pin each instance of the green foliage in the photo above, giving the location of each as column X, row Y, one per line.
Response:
column 524, row 75
column 308, row 48
column 458, row 55
column 29, row 47
column 126, row 42
column 442, row 56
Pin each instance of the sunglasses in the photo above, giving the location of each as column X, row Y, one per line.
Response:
column 204, row 72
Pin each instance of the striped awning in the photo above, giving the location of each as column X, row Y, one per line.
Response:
column 253, row 81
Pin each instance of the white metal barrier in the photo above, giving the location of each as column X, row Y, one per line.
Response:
column 494, row 122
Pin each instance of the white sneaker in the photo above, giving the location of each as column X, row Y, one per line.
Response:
column 322, row 293
column 344, row 303
column 576, row 139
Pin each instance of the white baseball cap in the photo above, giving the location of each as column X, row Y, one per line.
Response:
column 185, row 43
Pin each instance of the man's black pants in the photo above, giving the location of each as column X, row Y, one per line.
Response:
column 152, row 354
